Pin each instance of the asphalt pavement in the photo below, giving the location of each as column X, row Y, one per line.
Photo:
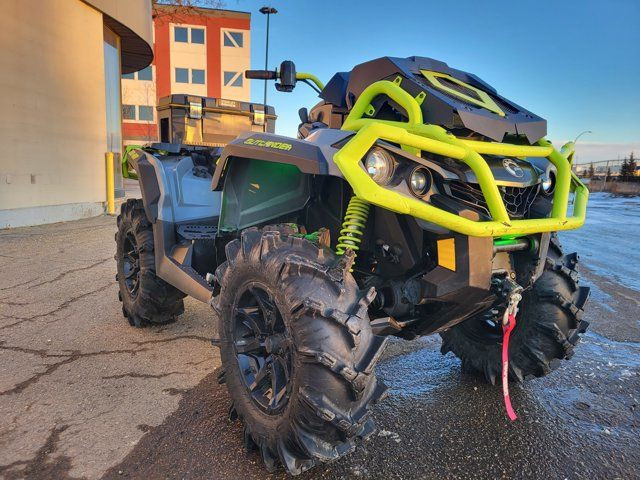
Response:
column 84, row 395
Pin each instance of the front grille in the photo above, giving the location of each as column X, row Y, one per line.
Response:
column 468, row 194
column 517, row 200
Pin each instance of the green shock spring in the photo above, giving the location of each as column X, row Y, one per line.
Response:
column 353, row 226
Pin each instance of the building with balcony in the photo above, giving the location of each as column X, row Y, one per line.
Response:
column 60, row 98
column 197, row 51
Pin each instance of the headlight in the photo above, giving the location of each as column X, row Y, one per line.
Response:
column 379, row 165
column 548, row 183
column 420, row 181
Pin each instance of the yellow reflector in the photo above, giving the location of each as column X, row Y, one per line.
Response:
column 447, row 253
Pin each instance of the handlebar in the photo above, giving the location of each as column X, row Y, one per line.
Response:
column 261, row 74
column 287, row 77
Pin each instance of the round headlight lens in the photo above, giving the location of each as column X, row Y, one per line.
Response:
column 379, row 165
column 420, row 181
column 548, row 183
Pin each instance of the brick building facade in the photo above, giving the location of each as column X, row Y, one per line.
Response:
column 197, row 51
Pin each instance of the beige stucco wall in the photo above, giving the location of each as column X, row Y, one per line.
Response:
column 234, row 59
column 52, row 107
column 134, row 14
column 139, row 92
column 189, row 56
column 52, row 104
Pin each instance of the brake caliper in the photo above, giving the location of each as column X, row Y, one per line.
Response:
column 508, row 324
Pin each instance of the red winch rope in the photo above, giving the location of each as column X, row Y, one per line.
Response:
column 506, row 333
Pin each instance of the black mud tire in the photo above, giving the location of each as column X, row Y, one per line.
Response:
column 333, row 352
column 548, row 326
column 150, row 300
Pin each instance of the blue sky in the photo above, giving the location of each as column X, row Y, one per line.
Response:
column 575, row 63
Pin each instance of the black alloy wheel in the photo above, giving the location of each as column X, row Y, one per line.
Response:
column 262, row 348
column 131, row 264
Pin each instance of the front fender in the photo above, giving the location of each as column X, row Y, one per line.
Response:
column 308, row 157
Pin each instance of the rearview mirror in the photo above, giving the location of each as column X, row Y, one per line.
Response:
column 287, row 75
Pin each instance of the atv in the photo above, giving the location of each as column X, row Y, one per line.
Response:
column 415, row 200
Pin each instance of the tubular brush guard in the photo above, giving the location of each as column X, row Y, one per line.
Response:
column 414, row 136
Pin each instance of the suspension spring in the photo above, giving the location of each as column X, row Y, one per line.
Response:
column 355, row 220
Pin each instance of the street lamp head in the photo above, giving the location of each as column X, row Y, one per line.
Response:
column 268, row 10
column 580, row 134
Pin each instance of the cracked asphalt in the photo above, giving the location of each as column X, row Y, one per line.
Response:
column 84, row 395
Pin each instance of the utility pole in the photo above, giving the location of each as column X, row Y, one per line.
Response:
column 606, row 175
column 268, row 11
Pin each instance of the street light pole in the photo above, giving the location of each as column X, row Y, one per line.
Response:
column 580, row 134
column 575, row 140
column 268, row 11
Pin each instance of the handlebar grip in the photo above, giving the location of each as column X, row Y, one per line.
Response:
column 260, row 74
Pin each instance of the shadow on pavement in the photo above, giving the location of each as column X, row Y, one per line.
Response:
column 434, row 424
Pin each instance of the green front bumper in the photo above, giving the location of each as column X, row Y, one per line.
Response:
column 414, row 136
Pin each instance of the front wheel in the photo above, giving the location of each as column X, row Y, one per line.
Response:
column 548, row 326
column 296, row 347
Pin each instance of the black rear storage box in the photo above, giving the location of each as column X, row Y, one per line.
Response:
column 212, row 122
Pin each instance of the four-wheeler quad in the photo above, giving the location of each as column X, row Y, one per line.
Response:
column 416, row 200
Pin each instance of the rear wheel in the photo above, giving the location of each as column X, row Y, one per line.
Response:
column 146, row 299
column 548, row 326
column 297, row 349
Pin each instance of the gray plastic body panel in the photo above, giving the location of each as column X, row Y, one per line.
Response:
column 184, row 198
column 173, row 196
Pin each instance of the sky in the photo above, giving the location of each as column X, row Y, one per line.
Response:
column 575, row 63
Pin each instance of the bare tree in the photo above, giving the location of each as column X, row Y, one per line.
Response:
column 173, row 9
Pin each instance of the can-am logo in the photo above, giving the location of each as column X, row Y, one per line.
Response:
column 513, row 168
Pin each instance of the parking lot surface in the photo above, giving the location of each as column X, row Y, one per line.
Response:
column 84, row 395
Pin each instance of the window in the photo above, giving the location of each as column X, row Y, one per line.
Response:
column 112, row 85
column 182, row 75
column 232, row 79
column 197, row 76
column 180, row 34
column 197, row 35
column 145, row 74
column 128, row 112
column 233, row 39
column 145, row 113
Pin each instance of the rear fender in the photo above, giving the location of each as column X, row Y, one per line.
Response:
column 173, row 195
column 145, row 166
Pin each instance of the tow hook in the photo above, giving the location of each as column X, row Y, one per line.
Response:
column 514, row 296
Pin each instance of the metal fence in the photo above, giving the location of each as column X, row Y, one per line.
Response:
column 600, row 167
